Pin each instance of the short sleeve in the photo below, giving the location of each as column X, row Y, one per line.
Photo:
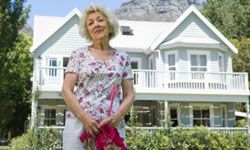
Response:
column 127, row 71
column 73, row 64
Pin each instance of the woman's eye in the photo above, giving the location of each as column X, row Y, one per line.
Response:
column 100, row 20
column 90, row 23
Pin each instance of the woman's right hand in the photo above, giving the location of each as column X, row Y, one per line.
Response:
column 90, row 125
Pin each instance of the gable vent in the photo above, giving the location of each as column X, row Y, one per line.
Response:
column 126, row 30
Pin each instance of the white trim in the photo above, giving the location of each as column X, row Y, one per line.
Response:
column 192, row 45
column 181, row 19
column 224, row 119
column 211, row 117
column 191, row 116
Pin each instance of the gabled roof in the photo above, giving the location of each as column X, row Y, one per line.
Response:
column 51, row 25
column 144, row 34
column 179, row 21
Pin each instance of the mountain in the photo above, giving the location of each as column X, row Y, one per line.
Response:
column 155, row 10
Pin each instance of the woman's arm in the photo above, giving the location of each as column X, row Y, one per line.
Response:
column 71, row 100
column 127, row 102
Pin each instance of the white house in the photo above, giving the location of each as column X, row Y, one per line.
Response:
column 182, row 69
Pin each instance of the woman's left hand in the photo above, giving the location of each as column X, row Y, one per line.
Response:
column 113, row 121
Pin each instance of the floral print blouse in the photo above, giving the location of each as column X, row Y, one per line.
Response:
column 95, row 79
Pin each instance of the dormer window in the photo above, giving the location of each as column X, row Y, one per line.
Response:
column 126, row 30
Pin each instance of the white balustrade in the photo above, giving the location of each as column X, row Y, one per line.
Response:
column 51, row 78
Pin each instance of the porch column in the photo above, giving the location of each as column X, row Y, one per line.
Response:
column 33, row 110
column 248, row 117
column 167, row 118
column 131, row 114
column 37, row 62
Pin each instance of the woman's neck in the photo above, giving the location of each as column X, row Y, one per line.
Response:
column 102, row 45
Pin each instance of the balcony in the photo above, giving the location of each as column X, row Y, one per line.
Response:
column 51, row 79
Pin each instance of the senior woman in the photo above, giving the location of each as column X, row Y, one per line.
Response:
column 95, row 70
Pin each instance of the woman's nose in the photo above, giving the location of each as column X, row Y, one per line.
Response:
column 96, row 23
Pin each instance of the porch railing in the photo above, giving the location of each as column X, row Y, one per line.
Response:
column 213, row 129
column 51, row 78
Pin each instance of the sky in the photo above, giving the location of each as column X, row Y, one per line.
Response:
column 61, row 8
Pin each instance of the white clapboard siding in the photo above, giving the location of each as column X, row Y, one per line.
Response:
column 193, row 27
column 65, row 40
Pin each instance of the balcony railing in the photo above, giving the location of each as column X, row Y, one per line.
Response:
column 51, row 79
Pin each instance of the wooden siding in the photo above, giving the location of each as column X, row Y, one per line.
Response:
column 193, row 27
column 214, row 65
column 183, row 64
column 64, row 41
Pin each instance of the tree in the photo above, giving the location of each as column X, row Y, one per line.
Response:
column 231, row 17
column 241, row 61
column 12, row 18
column 16, row 87
column 15, row 63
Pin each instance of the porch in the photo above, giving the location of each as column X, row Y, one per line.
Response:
column 51, row 79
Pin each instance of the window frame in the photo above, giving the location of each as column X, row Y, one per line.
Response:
column 198, row 53
column 221, row 65
column 49, row 119
column 201, row 117
column 175, row 53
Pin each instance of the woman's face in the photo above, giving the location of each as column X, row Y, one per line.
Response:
column 97, row 26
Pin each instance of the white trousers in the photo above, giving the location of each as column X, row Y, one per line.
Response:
column 72, row 131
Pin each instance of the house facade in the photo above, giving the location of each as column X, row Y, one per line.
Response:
column 182, row 70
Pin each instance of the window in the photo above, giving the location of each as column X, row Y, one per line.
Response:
column 53, row 63
column 201, row 117
column 221, row 62
column 49, row 117
column 144, row 113
column 134, row 65
column 65, row 61
column 198, row 62
column 126, row 30
column 171, row 63
column 173, row 116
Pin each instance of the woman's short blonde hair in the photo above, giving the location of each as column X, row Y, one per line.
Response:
column 113, row 23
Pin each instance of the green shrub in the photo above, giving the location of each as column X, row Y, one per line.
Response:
column 42, row 139
column 240, row 140
column 199, row 138
column 241, row 123
column 143, row 139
